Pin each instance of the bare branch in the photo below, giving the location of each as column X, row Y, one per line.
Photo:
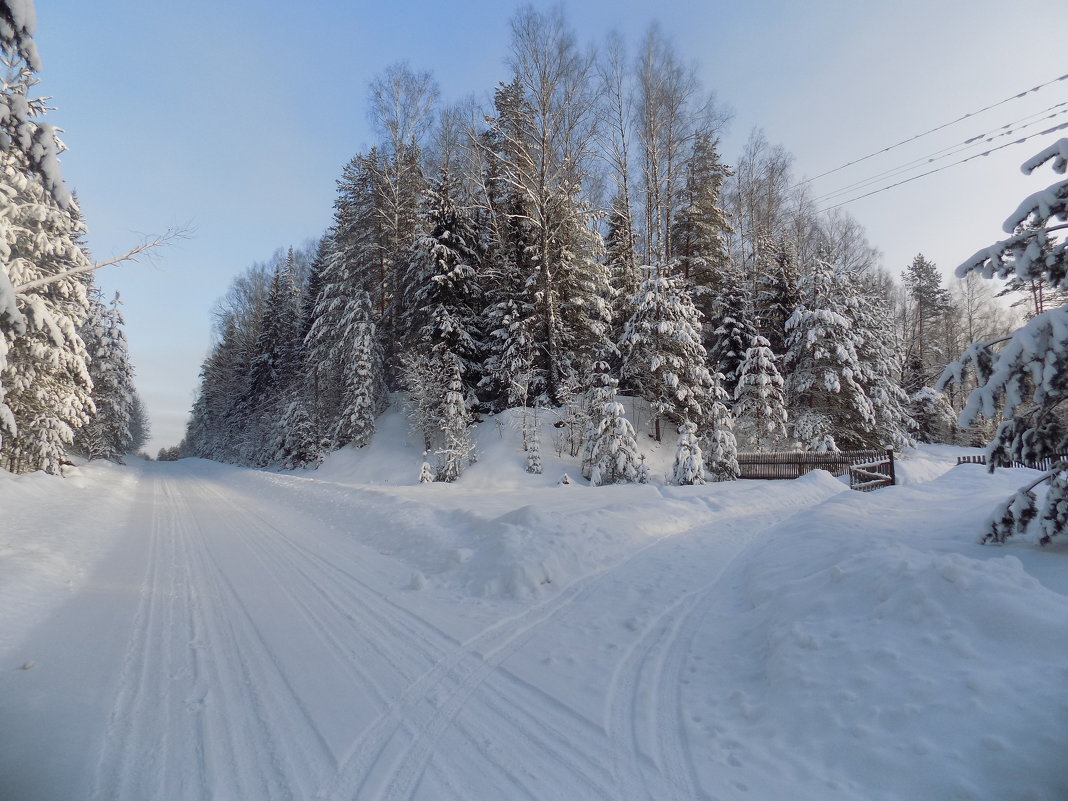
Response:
column 134, row 254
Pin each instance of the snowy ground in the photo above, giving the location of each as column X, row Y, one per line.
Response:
column 191, row 631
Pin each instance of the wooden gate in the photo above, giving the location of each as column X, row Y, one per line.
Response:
column 867, row 470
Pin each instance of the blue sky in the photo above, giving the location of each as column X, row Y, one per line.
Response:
column 237, row 117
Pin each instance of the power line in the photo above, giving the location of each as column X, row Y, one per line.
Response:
column 1055, row 128
column 1009, row 129
column 937, row 128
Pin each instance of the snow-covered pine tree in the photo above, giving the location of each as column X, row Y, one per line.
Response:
column 720, row 445
column 689, row 464
column 759, row 406
column 1027, row 372
column 830, row 408
column 509, row 378
column 663, row 355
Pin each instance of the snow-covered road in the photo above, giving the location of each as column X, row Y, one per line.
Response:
column 239, row 649
column 261, row 636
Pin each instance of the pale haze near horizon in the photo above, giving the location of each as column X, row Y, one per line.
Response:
column 236, row 121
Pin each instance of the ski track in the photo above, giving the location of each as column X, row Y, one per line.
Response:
column 209, row 707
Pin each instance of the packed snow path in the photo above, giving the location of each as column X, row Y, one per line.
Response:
column 259, row 654
column 253, row 636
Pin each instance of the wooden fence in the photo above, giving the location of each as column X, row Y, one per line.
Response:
column 1041, row 464
column 867, row 470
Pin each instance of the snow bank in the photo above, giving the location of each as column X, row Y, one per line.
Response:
column 874, row 639
column 53, row 533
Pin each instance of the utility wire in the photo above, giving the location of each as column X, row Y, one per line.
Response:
column 937, row 128
column 947, row 152
column 1061, row 127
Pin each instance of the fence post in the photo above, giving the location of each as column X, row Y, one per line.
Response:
column 893, row 475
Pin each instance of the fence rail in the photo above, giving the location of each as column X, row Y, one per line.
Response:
column 868, row 470
column 1041, row 464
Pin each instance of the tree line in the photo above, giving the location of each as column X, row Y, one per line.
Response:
column 580, row 237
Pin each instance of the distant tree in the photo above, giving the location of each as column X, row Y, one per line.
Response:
column 926, row 306
column 107, row 435
column 1027, row 373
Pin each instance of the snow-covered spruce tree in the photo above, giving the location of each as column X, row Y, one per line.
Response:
column 1027, row 372
column 614, row 454
column 663, row 355
column 602, row 391
column 620, row 260
column 777, row 290
column 342, row 342
column 720, row 445
column 456, row 451
column 880, row 366
column 509, row 375
column 759, row 406
column 830, row 408
column 442, row 294
column 733, row 330
column 362, row 395
column 44, row 381
column 689, row 464
column 107, row 435
column 700, row 229
column 532, row 443
column 298, row 441
column 545, row 138
column 275, row 363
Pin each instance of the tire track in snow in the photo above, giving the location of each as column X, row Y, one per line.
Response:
column 380, row 619
column 174, row 727
column 651, row 671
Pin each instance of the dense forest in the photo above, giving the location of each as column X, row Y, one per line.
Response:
column 582, row 237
